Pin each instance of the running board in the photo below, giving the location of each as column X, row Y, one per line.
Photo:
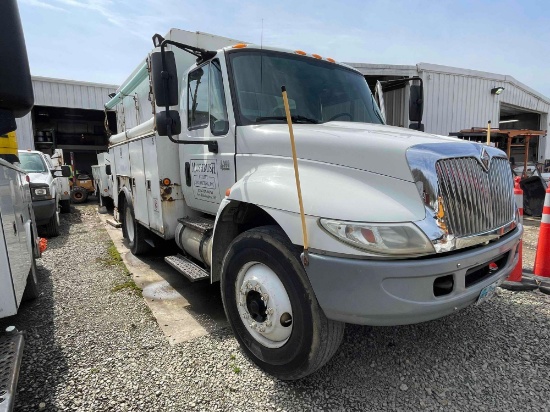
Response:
column 11, row 352
column 190, row 270
column 200, row 224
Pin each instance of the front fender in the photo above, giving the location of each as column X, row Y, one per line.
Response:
column 328, row 191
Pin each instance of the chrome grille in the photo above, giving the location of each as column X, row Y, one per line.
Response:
column 475, row 201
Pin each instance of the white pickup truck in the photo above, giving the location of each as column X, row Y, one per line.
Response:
column 403, row 226
column 46, row 190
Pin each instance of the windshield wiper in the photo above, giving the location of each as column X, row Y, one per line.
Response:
column 295, row 119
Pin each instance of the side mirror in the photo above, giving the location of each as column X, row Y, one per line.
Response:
column 220, row 127
column 65, row 171
column 108, row 170
column 16, row 94
column 416, row 103
column 165, row 120
column 165, row 80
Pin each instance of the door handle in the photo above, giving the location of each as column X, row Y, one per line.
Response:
column 187, row 173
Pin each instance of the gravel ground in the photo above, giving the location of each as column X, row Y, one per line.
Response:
column 90, row 348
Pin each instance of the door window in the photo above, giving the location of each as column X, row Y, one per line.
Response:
column 206, row 99
column 219, row 124
column 197, row 102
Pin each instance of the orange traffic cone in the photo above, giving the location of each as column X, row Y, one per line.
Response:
column 542, row 259
column 518, row 281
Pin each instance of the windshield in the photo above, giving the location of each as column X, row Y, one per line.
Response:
column 32, row 163
column 318, row 91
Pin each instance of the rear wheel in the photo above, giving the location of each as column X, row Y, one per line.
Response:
column 135, row 233
column 79, row 195
column 271, row 306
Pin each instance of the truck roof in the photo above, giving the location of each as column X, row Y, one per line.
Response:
column 289, row 51
column 205, row 41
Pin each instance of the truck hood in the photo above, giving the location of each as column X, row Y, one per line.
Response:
column 40, row 178
column 375, row 148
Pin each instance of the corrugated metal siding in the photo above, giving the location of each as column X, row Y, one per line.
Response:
column 395, row 103
column 454, row 102
column 24, row 133
column 70, row 94
column 61, row 93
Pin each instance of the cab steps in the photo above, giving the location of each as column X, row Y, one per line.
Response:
column 200, row 224
column 189, row 269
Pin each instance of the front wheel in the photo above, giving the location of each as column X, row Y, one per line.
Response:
column 79, row 195
column 65, row 206
column 52, row 227
column 271, row 306
column 32, row 290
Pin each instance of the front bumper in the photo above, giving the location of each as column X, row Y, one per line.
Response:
column 43, row 210
column 400, row 292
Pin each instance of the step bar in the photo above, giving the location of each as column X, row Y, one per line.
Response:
column 11, row 351
column 187, row 268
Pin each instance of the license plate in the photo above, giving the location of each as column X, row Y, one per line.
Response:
column 487, row 293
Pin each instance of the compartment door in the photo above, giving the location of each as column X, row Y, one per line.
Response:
column 153, row 184
column 139, row 185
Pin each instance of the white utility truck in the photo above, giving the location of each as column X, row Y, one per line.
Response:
column 18, row 239
column 403, row 226
column 103, row 179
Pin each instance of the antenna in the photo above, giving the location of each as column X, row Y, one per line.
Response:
column 262, row 36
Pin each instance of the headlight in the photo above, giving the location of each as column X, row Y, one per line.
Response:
column 40, row 193
column 381, row 238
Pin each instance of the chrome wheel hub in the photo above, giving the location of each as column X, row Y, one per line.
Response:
column 263, row 305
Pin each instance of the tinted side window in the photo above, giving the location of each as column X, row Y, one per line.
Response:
column 197, row 98
column 218, row 113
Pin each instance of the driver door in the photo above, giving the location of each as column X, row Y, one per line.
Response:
column 207, row 174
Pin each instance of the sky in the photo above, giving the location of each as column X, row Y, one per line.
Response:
column 104, row 40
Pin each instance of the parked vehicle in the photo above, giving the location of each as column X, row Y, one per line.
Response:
column 103, row 179
column 18, row 247
column 403, row 226
column 82, row 185
column 45, row 188
column 18, row 240
column 62, row 182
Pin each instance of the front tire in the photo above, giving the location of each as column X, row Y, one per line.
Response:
column 52, row 227
column 32, row 290
column 272, row 308
column 135, row 233
column 65, row 206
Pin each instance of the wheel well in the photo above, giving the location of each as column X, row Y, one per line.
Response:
column 236, row 218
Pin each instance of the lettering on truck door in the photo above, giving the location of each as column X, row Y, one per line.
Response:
column 207, row 175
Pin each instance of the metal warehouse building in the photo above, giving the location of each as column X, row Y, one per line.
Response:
column 456, row 99
column 68, row 115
